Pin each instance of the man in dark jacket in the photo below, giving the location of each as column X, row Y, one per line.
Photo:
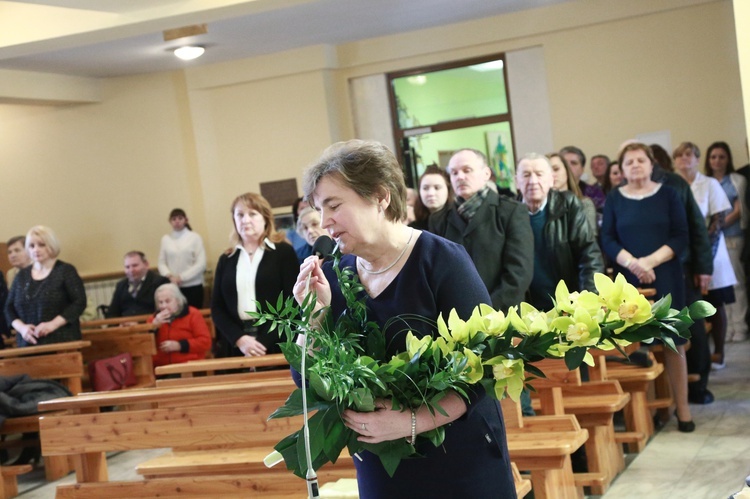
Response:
column 134, row 295
column 565, row 245
column 495, row 231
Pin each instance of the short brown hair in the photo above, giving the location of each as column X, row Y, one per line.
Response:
column 366, row 167
column 258, row 203
column 637, row 146
column 680, row 150
column 136, row 253
column 16, row 239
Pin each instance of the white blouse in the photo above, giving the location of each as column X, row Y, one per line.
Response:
column 712, row 199
column 247, row 270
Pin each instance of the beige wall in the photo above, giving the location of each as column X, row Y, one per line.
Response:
column 105, row 175
column 742, row 23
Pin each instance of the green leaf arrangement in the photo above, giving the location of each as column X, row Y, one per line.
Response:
column 347, row 368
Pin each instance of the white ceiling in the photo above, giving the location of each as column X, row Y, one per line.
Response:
column 107, row 38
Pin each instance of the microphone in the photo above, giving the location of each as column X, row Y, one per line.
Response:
column 323, row 247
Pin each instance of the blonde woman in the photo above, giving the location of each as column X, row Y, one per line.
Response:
column 47, row 298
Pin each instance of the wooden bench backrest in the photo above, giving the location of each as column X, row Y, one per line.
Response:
column 512, row 414
column 114, row 321
column 61, row 362
column 223, row 378
column 66, row 367
column 210, row 366
column 197, row 427
column 557, row 374
column 268, row 485
column 114, row 341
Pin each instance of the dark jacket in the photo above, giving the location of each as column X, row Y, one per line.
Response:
column 277, row 274
column 573, row 241
column 697, row 256
column 124, row 304
column 500, row 243
column 20, row 395
column 60, row 293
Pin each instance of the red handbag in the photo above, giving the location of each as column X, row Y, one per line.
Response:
column 113, row 373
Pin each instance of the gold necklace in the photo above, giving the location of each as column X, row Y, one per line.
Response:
column 389, row 267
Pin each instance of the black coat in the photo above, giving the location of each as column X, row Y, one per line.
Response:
column 500, row 243
column 573, row 241
column 124, row 304
column 277, row 273
column 60, row 293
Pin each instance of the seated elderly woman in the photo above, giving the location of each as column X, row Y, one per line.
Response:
column 181, row 332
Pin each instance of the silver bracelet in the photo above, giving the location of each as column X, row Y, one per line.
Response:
column 413, row 428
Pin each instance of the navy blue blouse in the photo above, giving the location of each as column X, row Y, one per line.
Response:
column 437, row 277
column 643, row 226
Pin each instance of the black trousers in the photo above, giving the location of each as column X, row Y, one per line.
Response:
column 699, row 356
column 194, row 295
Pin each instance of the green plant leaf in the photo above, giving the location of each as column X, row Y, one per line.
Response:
column 574, row 357
column 391, row 453
column 701, row 309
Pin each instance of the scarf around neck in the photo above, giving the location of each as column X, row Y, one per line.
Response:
column 469, row 207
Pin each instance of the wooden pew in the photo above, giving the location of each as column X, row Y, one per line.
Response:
column 636, row 380
column 138, row 340
column 125, row 321
column 62, row 362
column 594, row 405
column 115, row 322
column 141, row 320
column 185, row 421
column 543, row 445
column 175, row 462
column 193, row 418
column 204, row 371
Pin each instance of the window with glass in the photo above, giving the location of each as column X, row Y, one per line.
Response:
column 439, row 109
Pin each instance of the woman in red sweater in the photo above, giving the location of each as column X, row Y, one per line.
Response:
column 181, row 331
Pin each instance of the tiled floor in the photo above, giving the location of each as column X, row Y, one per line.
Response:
column 710, row 463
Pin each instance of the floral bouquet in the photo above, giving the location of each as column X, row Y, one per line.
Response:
column 347, row 368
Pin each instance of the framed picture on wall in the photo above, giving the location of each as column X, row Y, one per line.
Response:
column 500, row 159
column 284, row 221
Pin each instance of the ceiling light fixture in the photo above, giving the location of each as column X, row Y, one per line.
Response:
column 189, row 52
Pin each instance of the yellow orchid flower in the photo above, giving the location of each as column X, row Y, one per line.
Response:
column 474, row 366
column 564, row 302
column 509, row 376
column 610, row 292
column 568, row 302
column 634, row 308
column 459, row 329
column 494, row 322
column 445, row 346
column 416, row 345
column 530, row 320
column 580, row 329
